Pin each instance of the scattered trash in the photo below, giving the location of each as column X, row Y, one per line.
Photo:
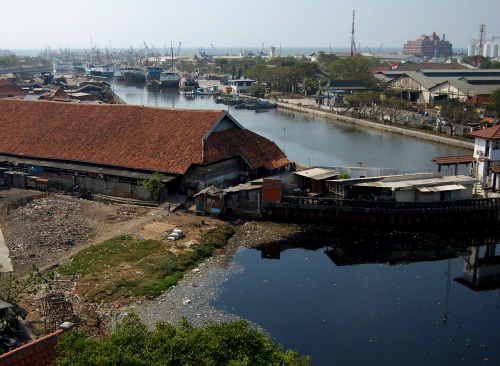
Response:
column 187, row 301
column 117, row 306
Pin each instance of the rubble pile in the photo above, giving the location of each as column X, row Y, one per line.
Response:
column 254, row 234
column 55, row 225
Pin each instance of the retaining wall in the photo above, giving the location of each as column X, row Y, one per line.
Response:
column 379, row 126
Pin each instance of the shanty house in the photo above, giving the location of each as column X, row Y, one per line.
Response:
column 487, row 155
column 314, row 180
column 420, row 187
column 210, row 200
column 112, row 149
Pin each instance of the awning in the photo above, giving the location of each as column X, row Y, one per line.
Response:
column 452, row 160
column 451, row 187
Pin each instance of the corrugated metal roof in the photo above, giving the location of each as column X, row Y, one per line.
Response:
column 317, row 173
column 416, row 183
column 244, row 187
column 450, row 187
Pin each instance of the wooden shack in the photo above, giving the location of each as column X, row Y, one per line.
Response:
column 210, row 200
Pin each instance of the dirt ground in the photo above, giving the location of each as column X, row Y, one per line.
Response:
column 48, row 231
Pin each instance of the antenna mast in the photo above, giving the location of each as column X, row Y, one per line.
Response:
column 482, row 33
column 353, row 42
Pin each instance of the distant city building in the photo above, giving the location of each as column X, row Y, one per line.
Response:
column 428, row 47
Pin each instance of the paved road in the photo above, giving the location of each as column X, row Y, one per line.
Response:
column 5, row 263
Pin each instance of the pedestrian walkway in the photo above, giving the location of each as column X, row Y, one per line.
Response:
column 5, row 263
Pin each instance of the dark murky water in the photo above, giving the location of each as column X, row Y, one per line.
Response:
column 373, row 301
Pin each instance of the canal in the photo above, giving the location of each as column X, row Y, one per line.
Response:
column 310, row 139
column 352, row 296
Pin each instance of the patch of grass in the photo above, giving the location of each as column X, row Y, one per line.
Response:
column 150, row 267
column 111, row 253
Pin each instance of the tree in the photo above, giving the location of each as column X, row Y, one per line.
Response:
column 345, row 174
column 132, row 343
column 494, row 104
column 455, row 113
column 361, row 102
column 394, row 107
column 155, row 186
column 256, row 90
column 240, row 73
column 234, row 70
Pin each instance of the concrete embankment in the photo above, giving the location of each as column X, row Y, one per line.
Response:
column 378, row 126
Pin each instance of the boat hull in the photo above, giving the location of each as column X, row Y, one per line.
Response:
column 132, row 77
column 170, row 83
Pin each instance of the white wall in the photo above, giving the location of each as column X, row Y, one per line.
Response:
column 405, row 196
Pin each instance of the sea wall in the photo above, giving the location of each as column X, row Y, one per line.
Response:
column 378, row 126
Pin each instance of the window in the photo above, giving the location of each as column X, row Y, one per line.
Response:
column 496, row 145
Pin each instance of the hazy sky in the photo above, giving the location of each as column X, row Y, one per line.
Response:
column 301, row 23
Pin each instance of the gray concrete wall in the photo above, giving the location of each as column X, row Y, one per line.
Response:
column 378, row 126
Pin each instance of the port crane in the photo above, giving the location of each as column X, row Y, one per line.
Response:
column 216, row 53
column 380, row 48
column 156, row 53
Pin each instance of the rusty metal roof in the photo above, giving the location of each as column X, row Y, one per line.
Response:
column 452, row 160
column 492, row 133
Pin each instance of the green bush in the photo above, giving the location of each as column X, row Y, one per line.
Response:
column 132, row 343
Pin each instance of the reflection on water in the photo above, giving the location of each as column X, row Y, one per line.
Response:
column 365, row 297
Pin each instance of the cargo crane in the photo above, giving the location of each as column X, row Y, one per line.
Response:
column 216, row 53
column 147, row 49
column 380, row 48
column 156, row 53
column 353, row 42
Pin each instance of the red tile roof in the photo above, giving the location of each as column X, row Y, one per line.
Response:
column 5, row 82
column 492, row 133
column 495, row 168
column 157, row 139
column 450, row 160
column 11, row 90
column 38, row 353
column 257, row 150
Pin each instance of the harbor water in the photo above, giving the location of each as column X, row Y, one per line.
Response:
column 348, row 296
